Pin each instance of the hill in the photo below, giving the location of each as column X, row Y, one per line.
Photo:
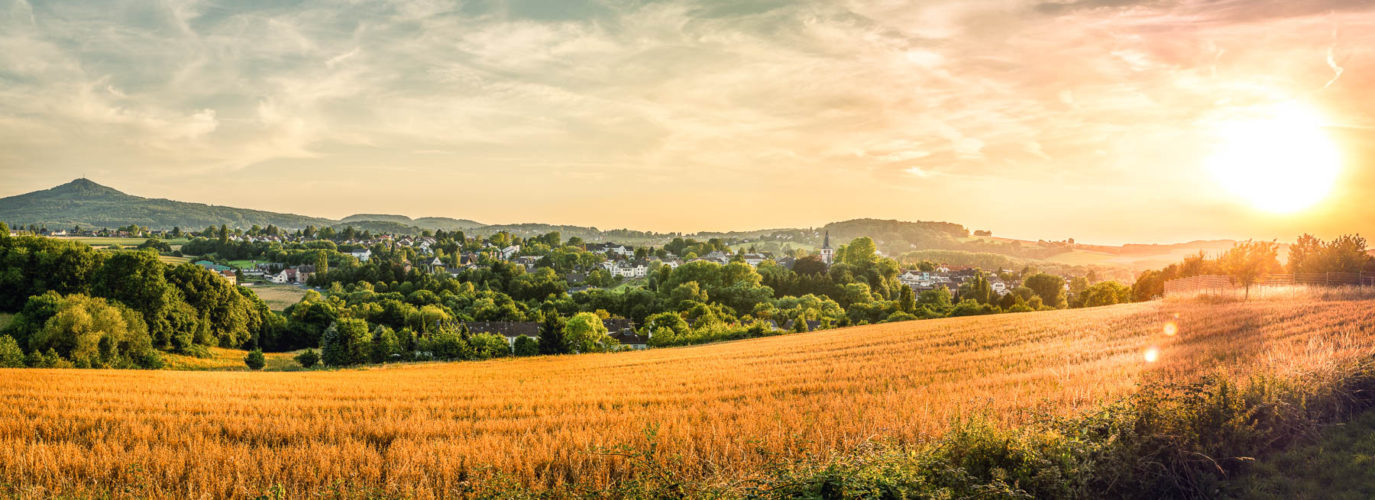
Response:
column 84, row 203
column 715, row 414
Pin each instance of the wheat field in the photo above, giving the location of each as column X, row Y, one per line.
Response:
column 721, row 410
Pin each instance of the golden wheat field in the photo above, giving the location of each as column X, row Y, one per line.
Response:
column 724, row 409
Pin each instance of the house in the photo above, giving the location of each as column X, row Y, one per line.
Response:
column 754, row 259
column 529, row 261
column 362, row 255
column 509, row 329
column 630, row 271
column 509, row 252
column 230, row 277
column 285, row 276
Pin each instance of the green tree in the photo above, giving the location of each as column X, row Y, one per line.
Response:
column 346, row 343
column 860, row 252
column 585, row 332
column 1050, row 288
column 308, row 358
column 255, row 360
column 92, row 332
column 551, row 334
column 11, row 356
column 489, row 345
column 526, row 346
column 138, row 280
column 907, row 300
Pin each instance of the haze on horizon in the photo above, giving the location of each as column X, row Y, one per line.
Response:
column 1092, row 119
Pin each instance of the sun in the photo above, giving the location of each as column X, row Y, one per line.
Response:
column 1278, row 159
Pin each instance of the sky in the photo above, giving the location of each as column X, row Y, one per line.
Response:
column 1088, row 119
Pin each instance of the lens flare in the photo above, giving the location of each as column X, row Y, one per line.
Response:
column 1171, row 328
column 1152, row 354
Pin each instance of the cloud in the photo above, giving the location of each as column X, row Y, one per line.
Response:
column 585, row 97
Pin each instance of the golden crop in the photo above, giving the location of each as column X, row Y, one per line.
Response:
column 723, row 409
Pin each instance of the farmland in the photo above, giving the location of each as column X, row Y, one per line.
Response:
column 725, row 410
column 222, row 359
column 278, row 297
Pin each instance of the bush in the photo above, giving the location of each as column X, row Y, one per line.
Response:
column 11, row 356
column 526, row 346
column 255, row 360
column 308, row 358
column 489, row 345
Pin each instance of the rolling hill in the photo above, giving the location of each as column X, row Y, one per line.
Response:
column 84, row 203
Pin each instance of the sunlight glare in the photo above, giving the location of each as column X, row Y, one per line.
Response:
column 1152, row 354
column 1171, row 328
column 1278, row 160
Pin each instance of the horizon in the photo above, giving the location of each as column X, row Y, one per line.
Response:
column 684, row 234
column 1107, row 122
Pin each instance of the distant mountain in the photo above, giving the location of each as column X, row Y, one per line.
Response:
column 399, row 219
column 84, row 203
column 423, row 223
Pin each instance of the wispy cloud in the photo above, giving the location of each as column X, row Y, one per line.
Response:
column 759, row 100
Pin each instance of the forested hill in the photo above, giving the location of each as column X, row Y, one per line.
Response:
column 87, row 204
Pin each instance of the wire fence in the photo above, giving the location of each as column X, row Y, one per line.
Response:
column 1218, row 284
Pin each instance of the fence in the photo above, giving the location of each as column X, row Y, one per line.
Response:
column 1217, row 284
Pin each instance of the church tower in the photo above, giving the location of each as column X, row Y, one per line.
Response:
column 827, row 254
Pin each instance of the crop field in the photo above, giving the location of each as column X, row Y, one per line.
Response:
column 97, row 241
column 721, row 412
column 278, row 297
column 222, row 359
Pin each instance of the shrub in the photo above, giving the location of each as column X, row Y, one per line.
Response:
column 526, row 346
column 308, row 358
column 489, row 345
column 255, row 360
column 11, row 356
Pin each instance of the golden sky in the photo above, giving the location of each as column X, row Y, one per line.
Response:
column 1094, row 120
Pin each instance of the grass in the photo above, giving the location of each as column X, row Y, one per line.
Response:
column 244, row 264
column 723, row 414
column 278, row 297
column 126, row 242
column 222, row 359
column 1338, row 465
column 168, row 259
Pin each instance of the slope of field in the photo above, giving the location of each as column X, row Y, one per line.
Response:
column 222, row 359
column 721, row 410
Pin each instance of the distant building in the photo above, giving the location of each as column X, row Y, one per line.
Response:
column 827, row 254
column 362, row 255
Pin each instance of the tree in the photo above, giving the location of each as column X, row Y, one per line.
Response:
column 308, row 358
column 11, row 356
column 346, row 343
column 1105, row 293
column 526, row 346
column 489, row 345
column 92, row 333
column 809, row 265
column 1050, row 288
column 861, row 251
column 1247, row 261
column 551, row 334
column 255, row 360
column 907, row 301
column 137, row 280
column 585, row 332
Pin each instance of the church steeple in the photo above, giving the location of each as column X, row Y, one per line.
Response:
column 827, row 254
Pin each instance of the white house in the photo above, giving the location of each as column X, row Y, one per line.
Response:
column 362, row 255
column 508, row 252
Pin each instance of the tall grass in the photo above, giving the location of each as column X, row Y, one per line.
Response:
column 723, row 416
